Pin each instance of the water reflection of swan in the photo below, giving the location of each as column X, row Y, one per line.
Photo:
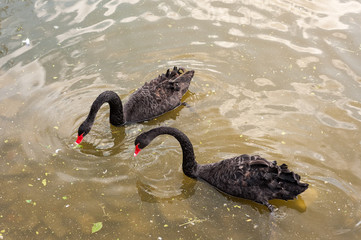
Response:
column 146, row 191
column 115, row 146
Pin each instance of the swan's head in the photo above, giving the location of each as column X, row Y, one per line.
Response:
column 83, row 130
column 141, row 142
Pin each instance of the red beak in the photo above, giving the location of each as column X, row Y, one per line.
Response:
column 137, row 150
column 79, row 139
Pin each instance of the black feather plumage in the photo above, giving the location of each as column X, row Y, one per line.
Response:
column 249, row 177
column 153, row 99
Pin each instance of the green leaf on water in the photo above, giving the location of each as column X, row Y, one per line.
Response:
column 78, row 146
column 96, row 227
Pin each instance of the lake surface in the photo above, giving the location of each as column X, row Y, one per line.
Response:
column 281, row 79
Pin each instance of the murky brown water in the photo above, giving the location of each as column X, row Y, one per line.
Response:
column 281, row 79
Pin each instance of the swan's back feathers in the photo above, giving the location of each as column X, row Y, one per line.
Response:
column 159, row 96
column 254, row 178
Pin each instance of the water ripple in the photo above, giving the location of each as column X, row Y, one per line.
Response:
column 29, row 78
column 291, row 45
column 321, row 14
column 75, row 32
column 51, row 10
column 113, row 5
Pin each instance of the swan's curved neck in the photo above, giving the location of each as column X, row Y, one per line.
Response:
column 189, row 164
column 116, row 108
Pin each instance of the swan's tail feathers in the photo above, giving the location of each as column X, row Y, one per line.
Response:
column 184, row 78
column 176, row 72
column 179, row 70
column 289, row 184
column 169, row 75
column 182, row 82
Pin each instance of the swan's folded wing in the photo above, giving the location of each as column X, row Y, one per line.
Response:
column 154, row 99
column 149, row 102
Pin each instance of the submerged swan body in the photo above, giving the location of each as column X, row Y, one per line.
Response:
column 153, row 99
column 249, row 177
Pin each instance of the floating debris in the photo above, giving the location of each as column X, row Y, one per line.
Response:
column 30, row 202
column 96, row 227
column 192, row 222
column 358, row 224
column 26, row 41
column 77, row 146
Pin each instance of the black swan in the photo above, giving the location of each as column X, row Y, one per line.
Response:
column 249, row 177
column 153, row 99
